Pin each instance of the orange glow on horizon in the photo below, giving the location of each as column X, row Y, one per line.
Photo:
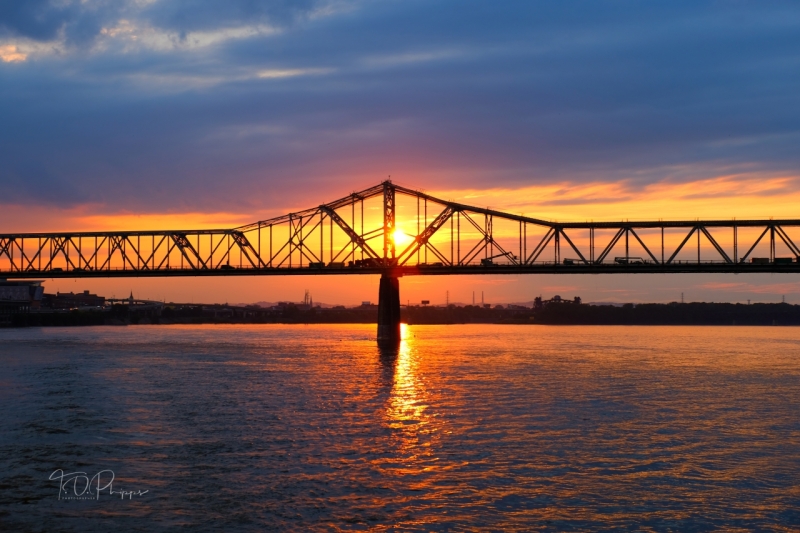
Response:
column 722, row 197
column 26, row 219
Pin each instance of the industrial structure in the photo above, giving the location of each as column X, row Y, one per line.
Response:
column 395, row 231
column 19, row 297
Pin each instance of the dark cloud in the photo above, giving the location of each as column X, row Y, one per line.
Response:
column 48, row 20
column 81, row 22
column 40, row 20
column 193, row 15
column 438, row 94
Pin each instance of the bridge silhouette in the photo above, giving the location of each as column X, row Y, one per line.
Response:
column 394, row 231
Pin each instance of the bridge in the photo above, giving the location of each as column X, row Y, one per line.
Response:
column 394, row 231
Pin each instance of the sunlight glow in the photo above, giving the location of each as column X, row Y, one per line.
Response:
column 401, row 238
column 756, row 195
column 415, row 428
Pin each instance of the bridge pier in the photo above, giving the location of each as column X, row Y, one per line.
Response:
column 389, row 310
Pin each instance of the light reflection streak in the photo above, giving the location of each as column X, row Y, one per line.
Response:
column 408, row 408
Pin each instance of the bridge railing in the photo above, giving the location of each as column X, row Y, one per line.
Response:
column 422, row 269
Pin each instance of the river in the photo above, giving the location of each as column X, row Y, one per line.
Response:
column 463, row 428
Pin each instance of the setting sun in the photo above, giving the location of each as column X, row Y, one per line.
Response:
column 401, row 238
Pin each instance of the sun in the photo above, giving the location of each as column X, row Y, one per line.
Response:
column 401, row 238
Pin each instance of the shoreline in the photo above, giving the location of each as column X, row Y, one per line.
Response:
column 673, row 314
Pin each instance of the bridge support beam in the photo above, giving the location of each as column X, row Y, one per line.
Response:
column 389, row 310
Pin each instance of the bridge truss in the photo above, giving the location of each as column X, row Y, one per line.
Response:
column 389, row 228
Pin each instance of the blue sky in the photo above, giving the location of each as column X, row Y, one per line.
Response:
column 247, row 107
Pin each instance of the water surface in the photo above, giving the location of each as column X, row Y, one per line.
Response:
column 473, row 427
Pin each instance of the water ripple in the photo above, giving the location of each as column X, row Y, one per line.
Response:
column 463, row 428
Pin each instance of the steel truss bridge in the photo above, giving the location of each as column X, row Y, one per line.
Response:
column 406, row 232
column 394, row 231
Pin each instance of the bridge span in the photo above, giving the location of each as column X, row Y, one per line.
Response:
column 392, row 231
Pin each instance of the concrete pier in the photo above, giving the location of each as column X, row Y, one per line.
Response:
column 389, row 310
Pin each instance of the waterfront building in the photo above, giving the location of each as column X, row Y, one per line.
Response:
column 19, row 297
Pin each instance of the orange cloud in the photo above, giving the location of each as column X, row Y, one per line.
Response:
column 18, row 219
column 9, row 53
column 127, row 222
column 722, row 197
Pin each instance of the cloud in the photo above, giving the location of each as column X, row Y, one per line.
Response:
column 753, row 195
column 127, row 26
column 614, row 110
column 120, row 113
column 186, row 16
column 72, row 21
column 411, row 58
column 291, row 73
column 40, row 20
column 9, row 53
column 752, row 288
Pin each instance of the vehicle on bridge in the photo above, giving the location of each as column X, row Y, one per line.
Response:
column 629, row 260
column 489, row 261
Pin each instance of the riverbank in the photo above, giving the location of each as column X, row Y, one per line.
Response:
column 556, row 314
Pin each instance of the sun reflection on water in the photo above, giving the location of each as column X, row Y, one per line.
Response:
column 408, row 408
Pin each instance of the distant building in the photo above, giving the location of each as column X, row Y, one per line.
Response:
column 19, row 297
column 69, row 300
column 538, row 303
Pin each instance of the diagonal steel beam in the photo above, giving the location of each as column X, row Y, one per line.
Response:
column 350, row 232
column 97, row 248
column 183, row 244
column 610, row 245
column 716, row 245
column 439, row 255
column 423, row 238
column 245, row 245
column 646, row 249
column 685, row 240
column 5, row 245
column 541, row 246
column 7, row 249
column 138, row 255
column 787, row 241
column 60, row 245
column 744, row 258
column 37, row 255
column 474, row 252
column 575, row 248
column 170, row 246
column 115, row 243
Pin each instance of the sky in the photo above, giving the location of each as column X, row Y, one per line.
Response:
column 150, row 114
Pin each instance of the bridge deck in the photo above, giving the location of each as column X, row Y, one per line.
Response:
column 539, row 268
